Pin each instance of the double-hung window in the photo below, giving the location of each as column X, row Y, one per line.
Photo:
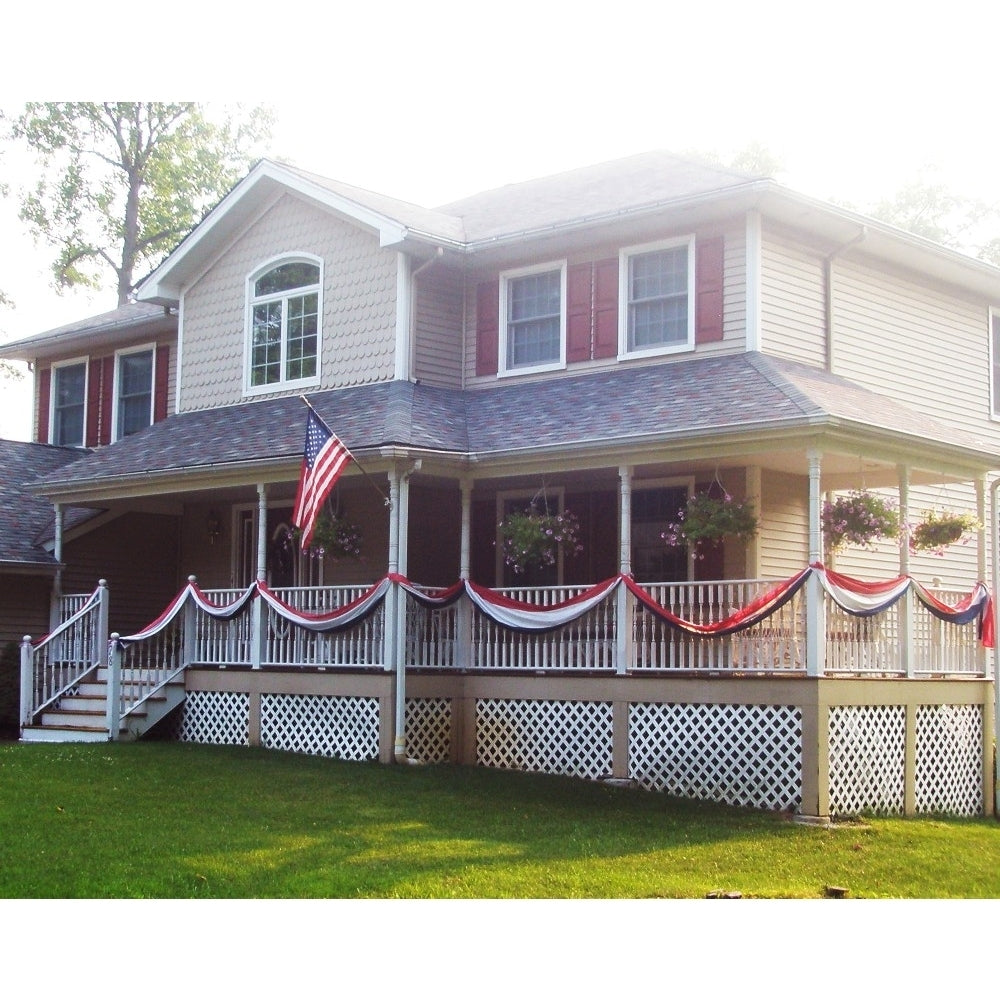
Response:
column 284, row 334
column 533, row 318
column 133, row 392
column 657, row 298
column 69, row 403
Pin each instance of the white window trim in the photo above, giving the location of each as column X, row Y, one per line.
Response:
column 557, row 493
column 993, row 317
column 623, row 291
column 116, row 389
column 68, row 363
column 502, row 370
column 282, row 384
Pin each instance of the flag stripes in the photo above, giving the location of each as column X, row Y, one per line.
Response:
column 323, row 460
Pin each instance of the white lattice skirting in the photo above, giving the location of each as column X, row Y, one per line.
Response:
column 949, row 776
column 554, row 737
column 428, row 729
column 868, row 759
column 342, row 727
column 745, row 755
column 221, row 717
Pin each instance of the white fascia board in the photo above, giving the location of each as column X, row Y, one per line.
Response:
column 168, row 281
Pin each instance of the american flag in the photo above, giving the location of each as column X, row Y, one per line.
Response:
column 322, row 463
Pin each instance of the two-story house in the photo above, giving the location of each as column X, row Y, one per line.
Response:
column 608, row 342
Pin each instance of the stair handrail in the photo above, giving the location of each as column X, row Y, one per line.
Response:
column 34, row 696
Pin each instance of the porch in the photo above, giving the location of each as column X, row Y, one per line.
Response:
column 895, row 715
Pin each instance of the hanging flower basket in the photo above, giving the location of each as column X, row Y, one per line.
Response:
column 708, row 518
column 334, row 537
column 858, row 518
column 531, row 538
column 937, row 531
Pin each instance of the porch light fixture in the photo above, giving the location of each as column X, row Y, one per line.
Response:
column 213, row 526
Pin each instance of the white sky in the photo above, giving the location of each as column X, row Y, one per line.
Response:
column 430, row 102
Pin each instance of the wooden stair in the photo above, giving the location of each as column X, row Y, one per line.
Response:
column 82, row 717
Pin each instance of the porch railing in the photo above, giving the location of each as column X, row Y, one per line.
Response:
column 461, row 637
column 55, row 665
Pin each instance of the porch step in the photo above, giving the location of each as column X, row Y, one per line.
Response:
column 81, row 717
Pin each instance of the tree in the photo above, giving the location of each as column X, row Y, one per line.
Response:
column 927, row 207
column 121, row 183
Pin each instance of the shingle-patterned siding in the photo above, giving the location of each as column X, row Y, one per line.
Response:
column 359, row 304
column 793, row 311
column 437, row 356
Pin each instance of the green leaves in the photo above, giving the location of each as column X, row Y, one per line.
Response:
column 120, row 183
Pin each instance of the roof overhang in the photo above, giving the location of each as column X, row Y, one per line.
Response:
column 237, row 210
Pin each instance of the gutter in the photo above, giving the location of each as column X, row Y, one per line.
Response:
column 828, row 290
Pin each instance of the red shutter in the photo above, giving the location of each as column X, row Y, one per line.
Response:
column 487, row 327
column 708, row 283
column 44, row 395
column 578, row 312
column 92, row 434
column 160, row 401
column 606, row 308
column 107, row 399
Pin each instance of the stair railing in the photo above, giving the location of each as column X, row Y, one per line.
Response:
column 55, row 664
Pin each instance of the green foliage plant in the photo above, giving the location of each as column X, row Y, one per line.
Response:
column 858, row 518
column 937, row 531
column 709, row 518
column 532, row 538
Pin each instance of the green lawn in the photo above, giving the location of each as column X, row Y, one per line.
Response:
column 162, row 820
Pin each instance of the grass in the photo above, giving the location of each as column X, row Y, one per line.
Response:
column 179, row 821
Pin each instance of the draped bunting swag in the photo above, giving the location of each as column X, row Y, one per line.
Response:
column 855, row 597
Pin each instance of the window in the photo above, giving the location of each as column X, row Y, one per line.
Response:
column 133, row 392
column 532, row 322
column 656, row 296
column 995, row 356
column 652, row 510
column 69, row 395
column 284, row 325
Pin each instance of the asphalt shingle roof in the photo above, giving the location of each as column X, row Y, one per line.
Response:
column 25, row 519
column 624, row 404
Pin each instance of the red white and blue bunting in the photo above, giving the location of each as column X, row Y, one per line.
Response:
column 855, row 597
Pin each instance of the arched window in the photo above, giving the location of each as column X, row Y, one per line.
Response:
column 284, row 319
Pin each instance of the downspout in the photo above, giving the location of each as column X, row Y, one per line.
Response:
column 828, row 290
column 403, row 514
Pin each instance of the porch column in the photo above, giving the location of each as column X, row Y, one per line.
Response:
column 402, row 539
column 906, row 659
column 815, row 618
column 55, row 606
column 258, row 623
column 754, row 489
column 389, row 628
column 981, row 541
column 624, row 603
column 463, row 638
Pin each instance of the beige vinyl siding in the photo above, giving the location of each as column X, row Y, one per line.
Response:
column 359, row 304
column 734, row 299
column 793, row 311
column 783, row 539
column 922, row 344
column 437, row 350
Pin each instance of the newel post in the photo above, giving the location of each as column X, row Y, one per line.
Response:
column 27, row 681
column 114, row 716
column 100, row 651
column 189, row 639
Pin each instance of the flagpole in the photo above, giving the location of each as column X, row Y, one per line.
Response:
column 386, row 501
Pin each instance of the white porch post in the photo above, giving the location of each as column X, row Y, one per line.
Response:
column 815, row 617
column 624, row 605
column 55, row 607
column 906, row 605
column 114, row 690
column 463, row 651
column 981, row 537
column 754, row 490
column 389, row 629
column 258, row 623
